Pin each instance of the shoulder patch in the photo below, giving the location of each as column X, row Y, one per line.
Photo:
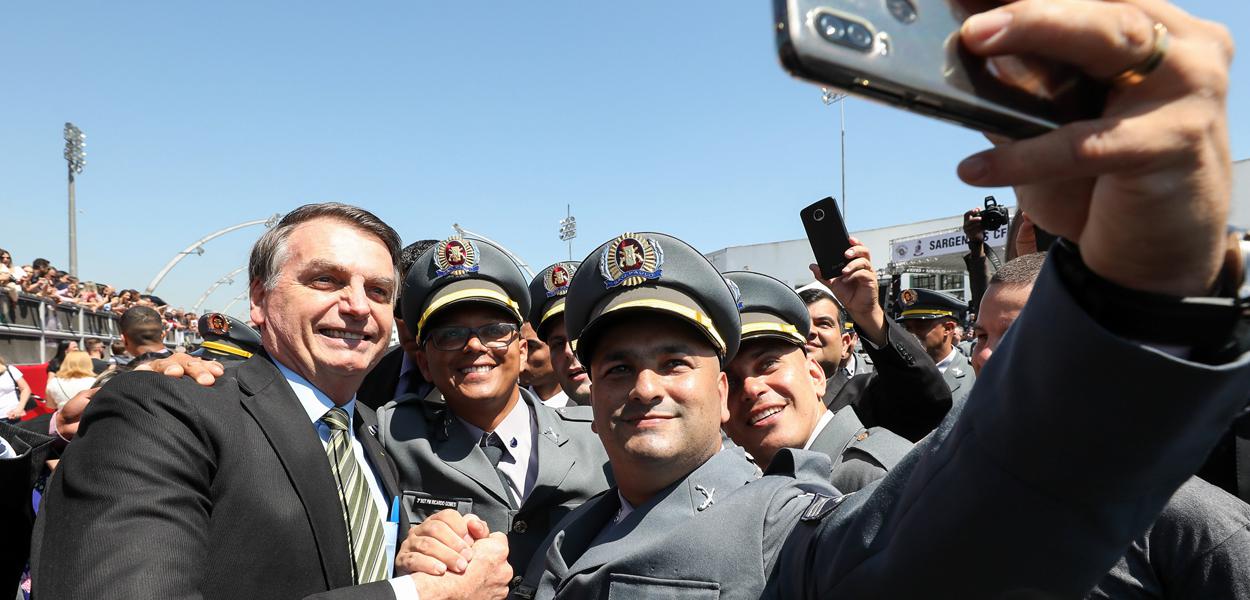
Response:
column 580, row 414
column 821, row 506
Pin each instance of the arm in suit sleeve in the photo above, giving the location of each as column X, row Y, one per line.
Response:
column 126, row 515
column 978, row 277
column 1041, row 481
column 907, row 394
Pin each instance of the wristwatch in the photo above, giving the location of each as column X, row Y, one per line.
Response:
column 1214, row 328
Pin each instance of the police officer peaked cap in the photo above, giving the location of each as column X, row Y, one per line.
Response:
column 458, row 270
column 656, row 273
column 769, row 308
column 547, row 293
column 919, row 303
column 226, row 336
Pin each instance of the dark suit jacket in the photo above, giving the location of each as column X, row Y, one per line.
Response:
column 17, row 476
column 173, row 490
column 906, row 394
column 379, row 385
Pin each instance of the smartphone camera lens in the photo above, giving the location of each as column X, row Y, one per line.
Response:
column 818, row 215
column 844, row 32
column 831, row 28
column 902, row 10
column 859, row 36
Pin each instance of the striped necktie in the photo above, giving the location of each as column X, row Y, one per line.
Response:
column 364, row 524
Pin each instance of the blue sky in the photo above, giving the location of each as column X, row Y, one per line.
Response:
column 670, row 116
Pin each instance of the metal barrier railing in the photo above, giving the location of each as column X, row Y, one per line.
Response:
column 30, row 330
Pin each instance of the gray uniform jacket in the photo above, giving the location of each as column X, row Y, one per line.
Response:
column 959, row 376
column 440, row 466
column 991, row 503
column 860, row 456
column 1199, row 547
column 699, row 538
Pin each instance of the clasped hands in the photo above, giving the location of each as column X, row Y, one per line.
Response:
column 451, row 555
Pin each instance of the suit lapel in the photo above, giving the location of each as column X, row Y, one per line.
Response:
column 277, row 411
column 459, row 450
column 570, row 544
column 554, row 464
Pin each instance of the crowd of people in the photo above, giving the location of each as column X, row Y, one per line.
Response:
column 639, row 425
column 40, row 279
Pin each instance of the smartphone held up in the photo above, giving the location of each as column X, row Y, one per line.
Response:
column 827, row 233
column 908, row 53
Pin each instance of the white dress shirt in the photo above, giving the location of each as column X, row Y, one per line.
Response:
column 946, row 362
column 560, row 400
column 519, row 461
column 820, row 426
column 317, row 404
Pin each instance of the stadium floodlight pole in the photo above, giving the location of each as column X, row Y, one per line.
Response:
column 228, row 278
column 568, row 228
column 76, row 158
column 830, row 97
column 520, row 264
column 198, row 249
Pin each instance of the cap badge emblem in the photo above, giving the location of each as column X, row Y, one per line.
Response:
column 218, row 324
column 557, row 279
column 455, row 256
column 629, row 260
column 909, row 297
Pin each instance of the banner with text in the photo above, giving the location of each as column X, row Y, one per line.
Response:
column 941, row 244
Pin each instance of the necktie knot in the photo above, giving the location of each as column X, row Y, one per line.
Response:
column 336, row 419
column 492, row 445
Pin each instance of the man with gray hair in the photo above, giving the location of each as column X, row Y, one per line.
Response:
column 267, row 484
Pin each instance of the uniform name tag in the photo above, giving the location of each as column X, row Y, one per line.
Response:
column 435, row 502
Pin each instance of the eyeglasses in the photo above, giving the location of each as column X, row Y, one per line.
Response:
column 495, row 336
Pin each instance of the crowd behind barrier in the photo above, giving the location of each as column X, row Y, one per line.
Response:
column 41, row 305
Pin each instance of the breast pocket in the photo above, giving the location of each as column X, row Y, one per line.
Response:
column 635, row 587
column 421, row 505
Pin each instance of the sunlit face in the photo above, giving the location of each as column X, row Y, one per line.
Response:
column 573, row 378
column 827, row 342
column 329, row 315
column 934, row 334
column 658, row 394
column 538, row 371
column 1000, row 306
column 473, row 377
column 775, row 393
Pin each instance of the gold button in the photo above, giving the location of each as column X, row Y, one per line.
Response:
column 863, row 435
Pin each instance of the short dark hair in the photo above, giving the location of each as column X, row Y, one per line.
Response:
column 1022, row 270
column 40, row 263
column 407, row 258
column 143, row 326
column 810, row 297
column 91, row 342
column 269, row 252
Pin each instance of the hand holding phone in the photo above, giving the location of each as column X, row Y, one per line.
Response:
column 828, row 236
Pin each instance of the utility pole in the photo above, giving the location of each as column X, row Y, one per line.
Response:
column 76, row 158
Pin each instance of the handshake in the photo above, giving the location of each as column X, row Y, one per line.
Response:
column 451, row 555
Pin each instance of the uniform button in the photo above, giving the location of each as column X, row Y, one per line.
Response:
column 519, row 526
column 516, row 581
column 863, row 435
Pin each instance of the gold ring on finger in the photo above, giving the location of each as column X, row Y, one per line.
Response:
column 1138, row 72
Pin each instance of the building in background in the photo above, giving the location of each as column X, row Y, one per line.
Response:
column 926, row 254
